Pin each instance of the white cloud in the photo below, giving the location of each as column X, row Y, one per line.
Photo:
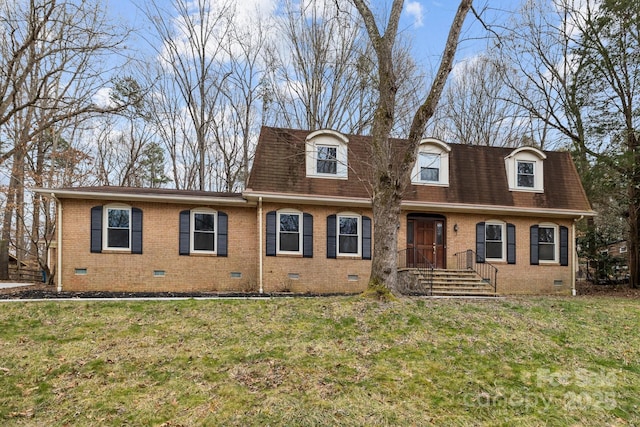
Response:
column 414, row 9
column 102, row 98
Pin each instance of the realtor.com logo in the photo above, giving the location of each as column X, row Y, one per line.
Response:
column 577, row 389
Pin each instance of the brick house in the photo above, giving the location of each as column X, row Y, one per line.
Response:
column 304, row 223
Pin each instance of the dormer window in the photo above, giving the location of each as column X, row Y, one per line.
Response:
column 526, row 176
column 326, row 155
column 429, row 165
column 432, row 163
column 327, row 160
column 525, row 169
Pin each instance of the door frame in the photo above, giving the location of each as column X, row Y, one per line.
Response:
column 438, row 255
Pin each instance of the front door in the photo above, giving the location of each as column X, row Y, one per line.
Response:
column 425, row 240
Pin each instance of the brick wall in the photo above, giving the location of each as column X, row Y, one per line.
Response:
column 128, row 272
column 317, row 274
column 518, row 278
column 135, row 273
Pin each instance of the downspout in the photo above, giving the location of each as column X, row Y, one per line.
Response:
column 260, row 244
column 59, row 238
column 575, row 256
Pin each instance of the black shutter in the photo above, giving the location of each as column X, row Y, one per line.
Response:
column 96, row 229
column 366, row 237
column 511, row 244
column 564, row 246
column 223, row 226
column 136, row 231
column 271, row 233
column 307, row 235
column 480, row 242
column 331, row 236
column 533, row 245
column 184, row 233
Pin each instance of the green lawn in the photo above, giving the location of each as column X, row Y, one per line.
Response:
column 321, row 361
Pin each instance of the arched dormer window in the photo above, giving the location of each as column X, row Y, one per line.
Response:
column 525, row 169
column 432, row 163
column 326, row 154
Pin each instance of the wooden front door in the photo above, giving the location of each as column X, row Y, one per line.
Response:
column 425, row 240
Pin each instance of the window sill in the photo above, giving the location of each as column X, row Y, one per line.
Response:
column 349, row 256
column 116, row 251
column 431, row 184
column 328, row 176
column 203, row 254
column 528, row 190
column 288, row 255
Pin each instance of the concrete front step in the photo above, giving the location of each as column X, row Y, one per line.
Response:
column 456, row 283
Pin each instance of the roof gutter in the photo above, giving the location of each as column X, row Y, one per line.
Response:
column 411, row 204
column 141, row 197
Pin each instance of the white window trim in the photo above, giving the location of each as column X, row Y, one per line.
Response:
column 300, row 231
column 524, row 187
column 623, row 249
column 437, row 147
column 192, row 225
column 105, row 227
column 359, row 235
column 503, row 225
column 530, row 155
column 331, row 139
column 556, row 244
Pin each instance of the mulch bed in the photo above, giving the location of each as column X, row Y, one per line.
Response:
column 42, row 291
column 610, row 290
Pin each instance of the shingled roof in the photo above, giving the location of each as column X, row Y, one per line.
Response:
column 477, row 176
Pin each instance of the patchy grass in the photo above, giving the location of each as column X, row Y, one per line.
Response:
column 333, row 361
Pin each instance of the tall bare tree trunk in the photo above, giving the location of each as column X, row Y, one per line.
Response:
column 393, row 161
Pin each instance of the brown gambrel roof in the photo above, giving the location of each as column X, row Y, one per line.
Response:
column 477, row 176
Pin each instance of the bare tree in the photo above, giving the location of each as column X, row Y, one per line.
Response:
column 50, row 70
column 236, row 122
column 392, row 163
column 320, row 74
column 477, row 108
column 578, row 73
column 537, row 46
column 190, row 48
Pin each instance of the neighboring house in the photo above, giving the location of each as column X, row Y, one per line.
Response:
column 304, row 224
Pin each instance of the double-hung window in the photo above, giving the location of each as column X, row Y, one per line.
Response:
column 348, row 235
column 494, row 240
column 327, row 160
column 429, row 165
column 118, row 229
column 526, row 174
column 204, row 231
column 547, row 244
column 289, row 232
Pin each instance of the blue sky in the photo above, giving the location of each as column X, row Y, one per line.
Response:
column 425, row 22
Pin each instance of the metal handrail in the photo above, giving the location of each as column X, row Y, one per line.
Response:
column 418, row 262
column 468, row 260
